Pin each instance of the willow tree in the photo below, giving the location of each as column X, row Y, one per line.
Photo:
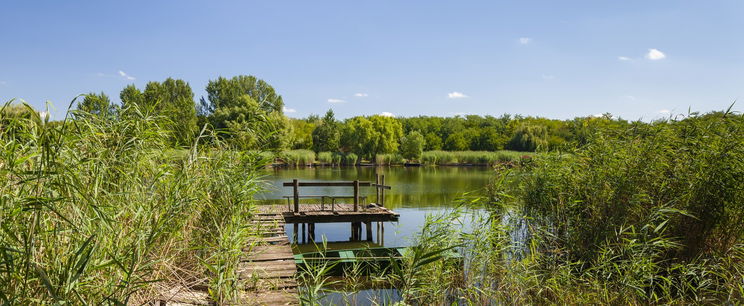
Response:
column 369, row 136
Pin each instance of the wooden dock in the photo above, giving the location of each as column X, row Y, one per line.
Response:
column 269, row 268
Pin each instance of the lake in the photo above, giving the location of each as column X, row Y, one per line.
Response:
column 416, row 191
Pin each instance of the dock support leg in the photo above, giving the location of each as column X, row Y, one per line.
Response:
column 353, row 232
column 311, row 231
column 368, row 227
column 304, row 233
column 295, row 229
column 382, row 233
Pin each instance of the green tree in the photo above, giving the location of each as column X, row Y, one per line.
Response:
column 172, row 99
column 327, row 135
column 99, row 105
column 412, row 146
column 433, row 142
column 131, row 97
column 225, row 92
column 249, row 111
column 369, row 136
column 528, row 137
column 457, row 142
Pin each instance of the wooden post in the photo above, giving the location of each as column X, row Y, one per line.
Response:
column 356, row 195
column 382, row 233
column 296, row 188
column 368, row 227
column 304, row 233
column 294, row 232
column 311, row 231
column 377, row 188
column 382, row 191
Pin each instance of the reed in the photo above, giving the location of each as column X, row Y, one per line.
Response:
column 297, row 158
column 481, row 158
column 99, row 211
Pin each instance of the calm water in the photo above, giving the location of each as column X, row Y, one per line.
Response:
column 416, row 191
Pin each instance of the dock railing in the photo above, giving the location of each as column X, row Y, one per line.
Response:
column 296, row 184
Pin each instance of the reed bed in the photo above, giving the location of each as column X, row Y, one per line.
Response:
column 101, row 211
column 483, row 158
column 297, row 158
column 652, row 216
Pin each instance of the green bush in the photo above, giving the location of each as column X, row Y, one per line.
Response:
column 325, row 158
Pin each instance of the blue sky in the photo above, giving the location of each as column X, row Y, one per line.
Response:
column 558, row 59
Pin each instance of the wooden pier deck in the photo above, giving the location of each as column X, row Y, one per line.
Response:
column 317, row 213
column 269, row 268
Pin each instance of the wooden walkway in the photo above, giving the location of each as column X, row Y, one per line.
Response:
column 269, row 268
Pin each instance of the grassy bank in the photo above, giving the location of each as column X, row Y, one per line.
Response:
column 99, row 211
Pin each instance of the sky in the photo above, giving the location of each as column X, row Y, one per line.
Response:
column 556, row 59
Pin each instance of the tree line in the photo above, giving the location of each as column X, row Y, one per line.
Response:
column 247, row 112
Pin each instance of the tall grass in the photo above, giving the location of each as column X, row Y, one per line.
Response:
column 483, row 158
column 297, row 158
column 97, row 211
column 652, row 216
column 389, row 159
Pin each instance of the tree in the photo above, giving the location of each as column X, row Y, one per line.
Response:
column 456, row 142
column 412, row 146
column 369, row 136
column 249, row 110
column 528, row 137
column 327, row 135
column 433, row 142
column 99, row 105
column 172, row 99
column 225, row 92
column 131, row 97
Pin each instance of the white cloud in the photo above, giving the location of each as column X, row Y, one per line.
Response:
column 548, row 77
column 387, row 114
column 664, row 111
column 126, row 76
column 624, row 58
column 525, row 40
column 289, row 110
column 335, row 101
column 361, row 95
column 655, row 55
column 597, row 115
column 457, row 95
